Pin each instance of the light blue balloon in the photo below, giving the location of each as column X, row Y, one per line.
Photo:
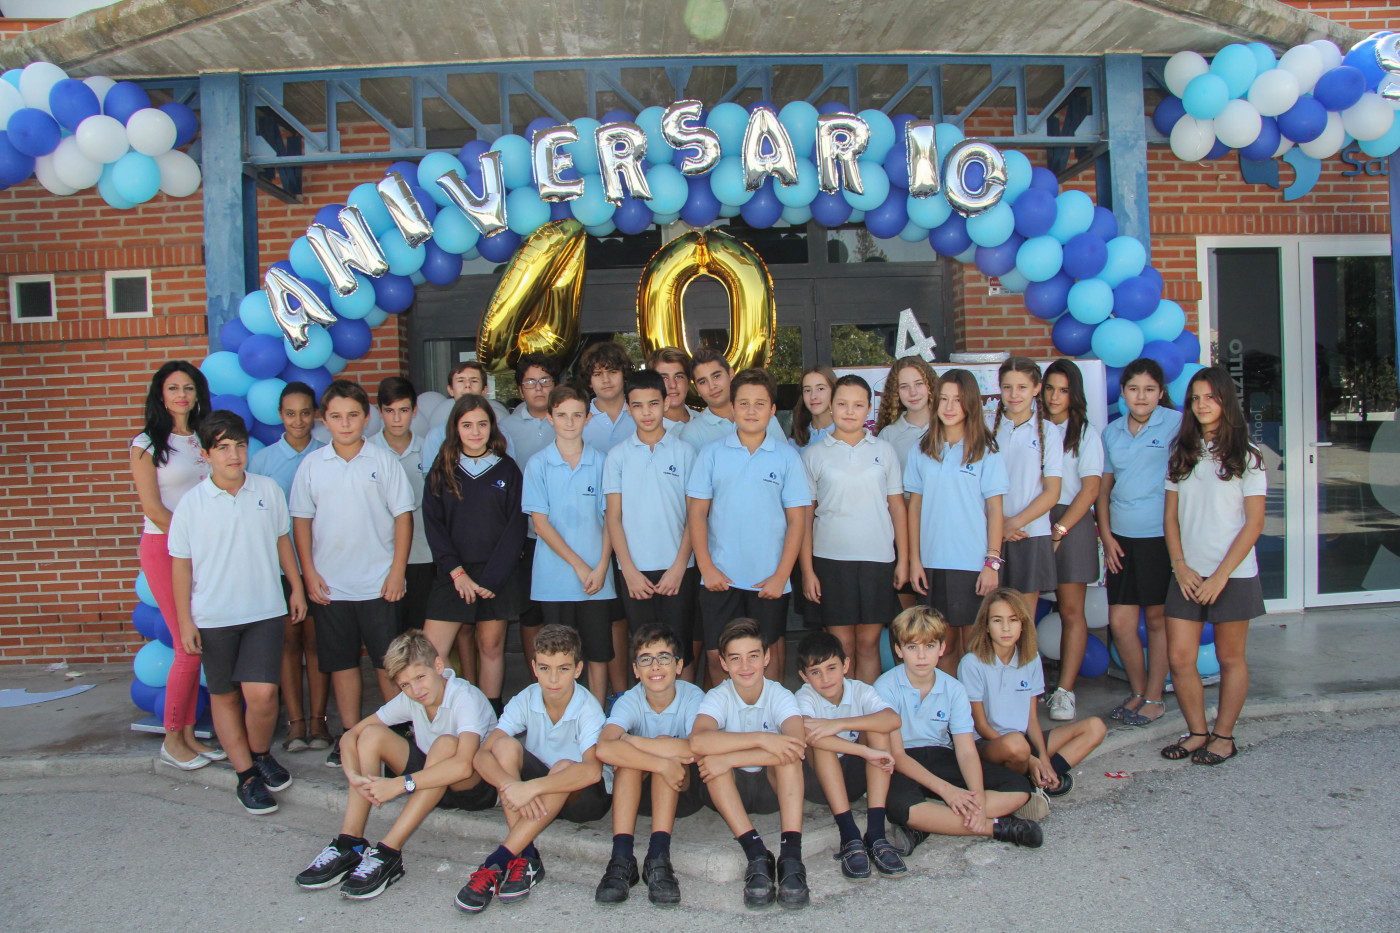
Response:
column 805, row 191
column 136, row 177
column 1206, row 96
column 1238, row 67
column 727, row 181
column 585, row 151
column 376, row 317
column 1207, row 664
column 1074, row 214
column 967, row 256
column 607, row 228
column 928, row 212
column 1013, row 281
column 881, row 135
column 453, row 232
column 306, row 265
column 1126, row 258
column 797, row 216
column 1383, row 145
column 1179, row 386
column 590, row 208
column 108, row 190
column 659, row 152
column 403, row 259
column 662, row 220
column 1117, row 342
column 669, row 189
column 366, row 198
column 945, row 137
column 857, row 217
column 515, row 160
column 729, row 210
column 417, row 278
column 1090, row 301
column 437, row 164
column 256, row 314
column 354, row 305
column 317, row 350
column 254, row 445
column 1264, row 58
column 1166, row 323
column 1018, row 174
column 152, row 664
column 265, row 400
column 335, row 364
column 993, row 227
column 224, row 375
column 913, row 233
column 1040, row 258
column 143, row 590
column 525, row 212
column 728, row 120
column 877, row 186
column 800, row 118
column 12, row 76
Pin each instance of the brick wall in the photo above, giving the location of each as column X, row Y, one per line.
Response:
column 1367, row 15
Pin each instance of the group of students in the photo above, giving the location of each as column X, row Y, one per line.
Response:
column 626, row 527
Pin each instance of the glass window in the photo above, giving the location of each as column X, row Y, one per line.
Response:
column 31, row 298
column 129, row 294
column 856, row 244
column 776, row 245
column 863, row 344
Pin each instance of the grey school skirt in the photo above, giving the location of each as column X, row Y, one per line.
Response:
column 1242, row 599
column 1077, row 557
column 1029, row 565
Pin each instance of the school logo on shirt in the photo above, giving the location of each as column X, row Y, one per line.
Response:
column 1025, row 685
column 589, row 491
column 968, row 469
column 671, row 471
column 940, row 714
column 1156, row 442
column 374, row 476
column 500, row 484
column 261, row 505
column 771, row 478
column 1035, row 443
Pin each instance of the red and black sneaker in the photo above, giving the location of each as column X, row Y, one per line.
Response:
column 476, row 893
column 522, row 874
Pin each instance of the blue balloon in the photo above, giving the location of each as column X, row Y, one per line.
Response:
column 515, row 159
column 891, row 217
column 268, row 434
column 1207, row 634
column 1135, row 298
column 1339, row 88
column 1217, row 151
column 1040, row 258
column 123, row 99
column 142, row 696
column 350, row 339
column 729, row 121
column 1264, row 58
column 232, row 334
column 525, row 212
column 1105, row 225
column 668, row 188
column 236, row 404
column 1044, row 180
column 896, row 163
column 929, row 212
column 992, row 227
column 1155, row 277
column 1207, row 664
column 999, row 259
column 265, row 401
column 409, row 170
column 948, row 238
column 498, row 248
column 804, row 191
column 558, row 210
column 701, row 207
column 1236, row 66
column 1206, row 96
column 1117, row 342
column 800, row 120
column 261, row 356
column 1019, row 175
column 256, row 314
column 371, row 205
column 317, row 351
column 454, row 233
column 1266, row 143
column 607, row 229
column 304, row 262
column 1085, row 256
column 1304, row 121
column 470, row 157
column 425, row 201
column 15, row 166
column 1164, row 323
column 537, row 124
column 1048, row 300
column 1179, row 387
column 633, row 215
column 833, row 106
column 1113, row 377
column 1095, row 663
column 912, row 233
column 1035, row 213
column 1090, row 301
column 1074, row 214
column 1167, row 356
column 1071, row 337
column 329, row 217
column 798, row 216
column 224, row 374
column 403, row 259
column 946, row 136
column 877, row 187
column 318, row 379
column 590, row 208
column 882, row 138
column 727, row 181
column 392, row 293
column 71, row 102
column 1382, row 145
column 830, row 210
column 33, row 132
column 1167, row 113
column 440, row 267
column 186, row 122
column 1189, row 345
column 658, row 150
column 146, row 620
column 618, row 116
column 143, row 589
column 358, row 303
column 435, row 165
column 1126, row 258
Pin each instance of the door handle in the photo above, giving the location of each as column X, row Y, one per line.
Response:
column 1320, row 444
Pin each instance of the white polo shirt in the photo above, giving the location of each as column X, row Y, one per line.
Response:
column 636, row 717
column 231, row 542
column 651, row 481
column 774, row 707
column 1210, row 511
column 857, row 699
column 1087, row 462
column 1025, row 473
column 903, row 436
column 931, row 720
column 566, row 740
column 182, row 470
column 412, row 462
column 1007, row 692
column 852, row 486
column 352, row 505
column 464, row 708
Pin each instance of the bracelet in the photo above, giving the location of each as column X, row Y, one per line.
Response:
column 459, row 572
column 993, row 562
column 993, row 552
column 1179, row 560
column 1061, row 530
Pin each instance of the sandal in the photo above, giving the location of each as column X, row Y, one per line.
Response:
column 1178, row 751
column 1121, row 710
column 1203, row 756
column 320, row 739
column 295, row 743
column 1137, row 719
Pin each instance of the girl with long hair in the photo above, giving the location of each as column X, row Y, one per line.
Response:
column 906, row 407
column 811, row 416
column 1034, row 460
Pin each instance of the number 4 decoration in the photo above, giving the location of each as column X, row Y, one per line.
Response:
column 910, row 340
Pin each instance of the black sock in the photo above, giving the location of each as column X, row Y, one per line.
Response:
column 500, row 858
column 622, row 845
column 875, row 823
column 1061, row 766
column 390, row 849
column 531, row 851
column 497, row 705
column 752, row 844
column 350, row 842
column 846, row 823
column 660, row 845
column 792, row 846
column 243, row 776
column 258, row 756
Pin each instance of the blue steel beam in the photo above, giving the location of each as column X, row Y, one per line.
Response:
column 1393, row 171
column 1127, row 144
column 226, row 242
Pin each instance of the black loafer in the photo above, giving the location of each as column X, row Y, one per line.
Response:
column 663, row 889
column 618, row 879
column 792, row 883
column 1018, row 831
column 758, row 882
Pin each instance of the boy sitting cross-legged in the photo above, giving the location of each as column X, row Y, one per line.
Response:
column 748, row 743
column 848, row 752
column 450, row 717
column 550, row 772
column 647, row 742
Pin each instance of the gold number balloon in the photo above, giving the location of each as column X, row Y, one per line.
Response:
column 752, row 310
column 535, row 308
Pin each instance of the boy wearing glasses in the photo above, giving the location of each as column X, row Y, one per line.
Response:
column 645, row 741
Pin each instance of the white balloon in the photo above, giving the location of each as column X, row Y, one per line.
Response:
column 72, row 167
column 1284, row 144
column 376, row 422
column 1274, row 91
column 1331, row 54
column 179, row 174
column 10, row 101
column 1305, row 63
column 321, row 433
column 429, row 401
column 1330, row 142
column 35, row 82
column 43, row 170
column 102, row 138
column 100, row 85
column 151, row 131
column 439, row 417
column 1047, row 636
column 419, row 424
column 1238, row 124
column 1096, row 606
column 1181, row 68
column 1369, row 118
column 1192, row 139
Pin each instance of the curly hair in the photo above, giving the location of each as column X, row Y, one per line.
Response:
column 891, row 407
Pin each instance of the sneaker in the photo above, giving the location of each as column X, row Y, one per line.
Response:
column 1036, row 808
column 1061, row 705
column 904, row 839
column 758, row 881
column 476, row 893
column 273, row 774
column 885, row 859
column 522, row 874
column 1018, row 831
column 330, row 866
column 855, row 861
column 663, row 889
column 333, row 759
column 792, row 882
column 618, row 879
column 377, row 870
column 253, row 794
column 1064, row 787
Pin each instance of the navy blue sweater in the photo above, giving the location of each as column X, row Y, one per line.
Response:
column 484, row 526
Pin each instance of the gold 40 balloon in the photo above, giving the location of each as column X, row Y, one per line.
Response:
column 535, row 308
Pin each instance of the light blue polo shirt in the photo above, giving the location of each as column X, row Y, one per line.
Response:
column 551, row 742
column 603, row 432
column 705, row 427
column 279, row 461
column 1139, row 468
column 931, row 720
column 573, row 500
column 1007, row 692
column 748, row 493
column 634, row 714
column 652, row 484
column 813, row 435
column 953, row 521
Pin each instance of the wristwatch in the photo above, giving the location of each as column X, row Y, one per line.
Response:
column 409, row 785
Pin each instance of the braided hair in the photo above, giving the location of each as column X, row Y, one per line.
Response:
column 1026, row 367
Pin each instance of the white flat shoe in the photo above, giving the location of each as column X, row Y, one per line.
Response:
column 213, row 754
column 194, row 764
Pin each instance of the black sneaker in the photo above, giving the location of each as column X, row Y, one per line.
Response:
column 855, row 861
column 273, row 774
column 618, row 879
column 253, row 794
column 377, row 870
column 885, row 859
column 1018, row 831
column 663, row 889
column 758, row 882
column 522, row 874
column 1064, row 787
column 333, row 863
column 792, row 883
column 333, row 759
column 476, row 893
column 904, row 839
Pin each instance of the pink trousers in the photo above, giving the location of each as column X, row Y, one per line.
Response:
column 182, row 686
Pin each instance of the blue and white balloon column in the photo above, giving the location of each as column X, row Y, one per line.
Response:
column 152, row 662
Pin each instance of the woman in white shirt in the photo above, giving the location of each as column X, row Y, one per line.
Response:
column 1216, row 488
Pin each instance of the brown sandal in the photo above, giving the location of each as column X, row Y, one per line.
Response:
column 295, row 743
column 1178, row 751
column 320, row 739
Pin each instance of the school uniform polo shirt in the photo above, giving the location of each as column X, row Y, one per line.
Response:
column 729, row 711
column 1139, row 468
column 573, row 500
column 1087, row 462
column 603, row 432
column 1210, row 511
column 705, row 427
column 551, row 742
column 1021, row 452
column 903, row 436
column 437, row 433
column 652, row 483
column 352, row 506
column 1007, row 692
column 231, row 542
column 464, row 708
column 931, row 720
column 953, row 519
column 857, row 699
column 852, row 485
column 526, row 436
column 412, row 462
column 748, row 494
column 280, row 461
column 813, row 436
column 635, row 716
